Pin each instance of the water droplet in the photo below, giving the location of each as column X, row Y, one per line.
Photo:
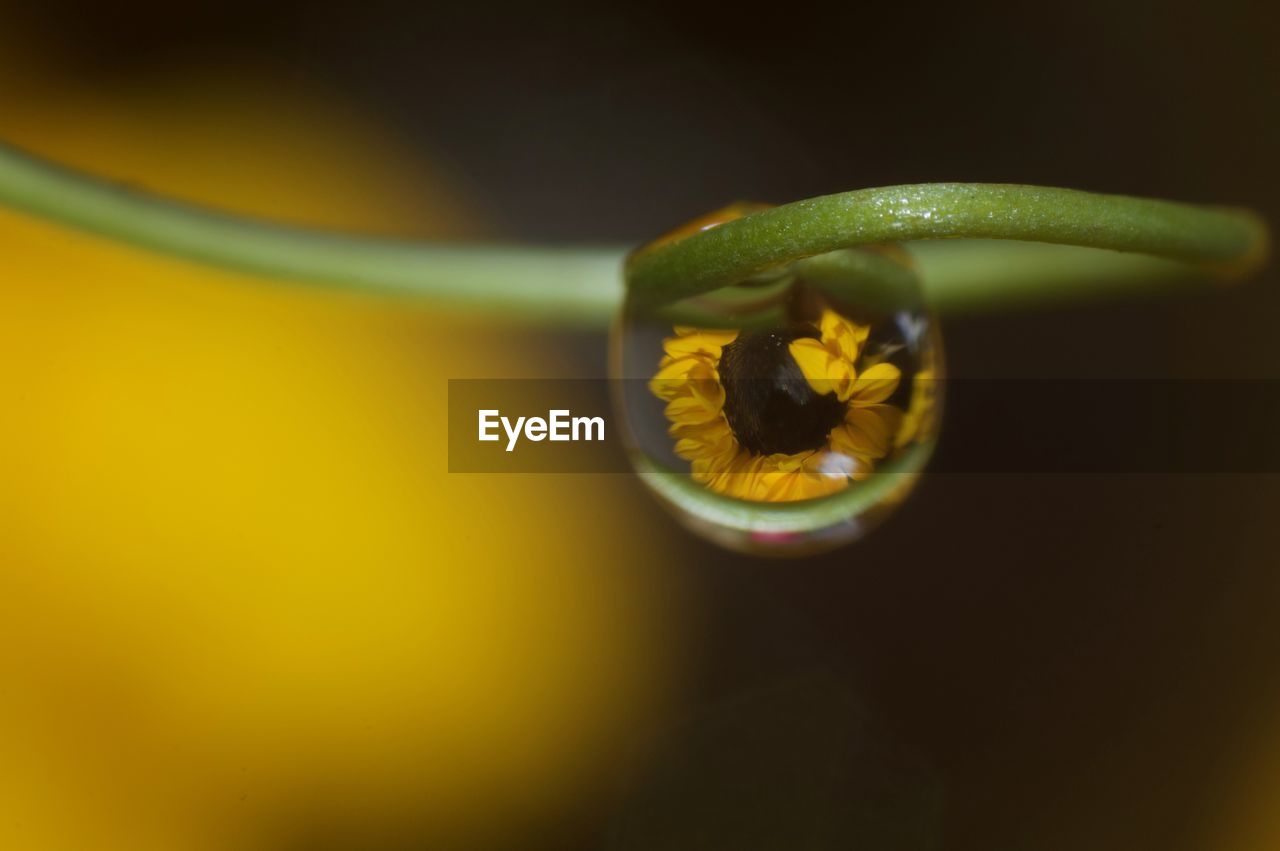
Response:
column 787, row 413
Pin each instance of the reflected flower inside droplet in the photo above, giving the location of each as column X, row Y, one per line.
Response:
column 787, row 412
column 777, row 415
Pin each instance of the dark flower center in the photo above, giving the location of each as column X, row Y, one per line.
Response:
column 767, row 401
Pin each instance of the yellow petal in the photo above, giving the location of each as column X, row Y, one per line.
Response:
column 704, row 384
column 692, row 450
column 781, row 487
column 689, row 409
column 677, row 368
column 801, row 476
column 786, row 482
column 824, row 372
column 874, row 385
column 812, row 486
column 695, row 341
column 671, row 379
column 712, row 442
column 868, row 431
column 703, row 472
column 842, row 337
column 734, row 478
column 708, row 430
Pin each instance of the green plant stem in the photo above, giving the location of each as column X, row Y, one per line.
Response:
column 1220, row 242
column 567, row 286
column 583, row 286
column 961, row 276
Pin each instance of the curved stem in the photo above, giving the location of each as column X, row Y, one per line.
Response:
column 538, row 284
column 966, row 276
column 1217, row 241
column 583, row 285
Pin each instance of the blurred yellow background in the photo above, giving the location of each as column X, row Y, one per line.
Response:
column 241, row 602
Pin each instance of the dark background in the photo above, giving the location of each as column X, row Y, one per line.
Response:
column 1053, row 661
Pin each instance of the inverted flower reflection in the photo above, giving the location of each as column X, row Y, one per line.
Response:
column 782, row 414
